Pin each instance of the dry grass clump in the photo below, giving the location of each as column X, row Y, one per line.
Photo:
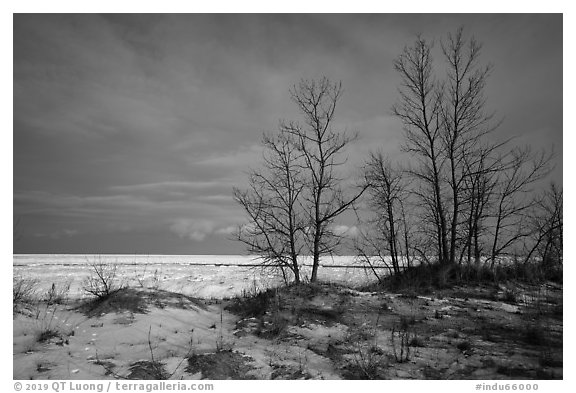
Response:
column 24, row 290
column 58, row 293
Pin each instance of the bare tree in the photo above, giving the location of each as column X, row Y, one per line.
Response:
column 513, row 198
column 464, row 119
column 547, row 224
column 276, row 227
column 387, row 191
column 479, row 185
column 321, row 148
column 420, row 109
column 445, row 122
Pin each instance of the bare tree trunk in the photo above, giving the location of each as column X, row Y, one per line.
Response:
column 316, row 258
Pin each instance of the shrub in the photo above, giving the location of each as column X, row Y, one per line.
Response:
column 510, row 295
column 464, row 346
column 369, row 363
column 252, row 304
column 103, row 281
column 422, row 278
column 24, row 290
column 416, row 341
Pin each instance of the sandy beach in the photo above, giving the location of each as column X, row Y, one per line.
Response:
column 306, row 331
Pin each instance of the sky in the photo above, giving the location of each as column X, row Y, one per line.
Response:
column 130, row 131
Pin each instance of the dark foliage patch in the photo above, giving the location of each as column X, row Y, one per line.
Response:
column 137, row 301
column 288, row 373
column 147, row 370
column 220, row 365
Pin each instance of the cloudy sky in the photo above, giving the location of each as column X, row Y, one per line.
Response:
column 130, row 131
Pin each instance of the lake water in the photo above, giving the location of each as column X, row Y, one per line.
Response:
column 208, row 276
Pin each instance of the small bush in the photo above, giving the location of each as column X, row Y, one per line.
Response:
column 220, row 365
column 24, row 290
column 145, row 370
column 274, row 327
column 252, row 305
column 103, row 281
column 416, row 342
column 464, row 346
column 510, row 295
column 371, row 362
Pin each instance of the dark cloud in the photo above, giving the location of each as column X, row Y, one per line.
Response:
column 131, row 130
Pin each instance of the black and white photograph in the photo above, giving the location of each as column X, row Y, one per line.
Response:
column 287, row 196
